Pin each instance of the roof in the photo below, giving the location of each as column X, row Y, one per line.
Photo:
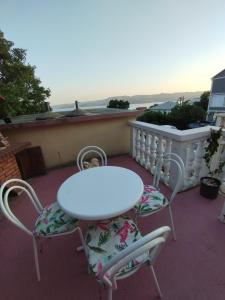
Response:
column 106, row 114
column 164, row 106
column 220, row 74
column 35, row 118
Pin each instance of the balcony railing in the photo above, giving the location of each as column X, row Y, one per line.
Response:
column 149, row 143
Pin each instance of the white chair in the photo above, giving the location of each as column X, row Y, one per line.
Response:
column 88, row 152
column 152, row 200
column 52, row 221
column 116, row 250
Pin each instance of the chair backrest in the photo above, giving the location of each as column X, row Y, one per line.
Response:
column 178, row 162
column 88, row 152
column 17, row 185
column 151, row 243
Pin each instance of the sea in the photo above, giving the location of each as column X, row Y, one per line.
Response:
column 67, row 107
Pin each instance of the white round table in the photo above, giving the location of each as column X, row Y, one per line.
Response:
column 100, row 193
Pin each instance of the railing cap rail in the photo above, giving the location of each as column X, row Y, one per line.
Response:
column 175, row 134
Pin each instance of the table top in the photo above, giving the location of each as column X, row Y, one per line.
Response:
column 100, row 193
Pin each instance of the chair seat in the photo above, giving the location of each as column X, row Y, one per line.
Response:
column 151, row 201
column 53, row 220
column 108, row 238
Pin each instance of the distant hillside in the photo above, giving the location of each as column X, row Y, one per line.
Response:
column 138, row 99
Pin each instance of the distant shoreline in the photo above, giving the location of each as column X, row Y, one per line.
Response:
column 135, row 101
column 72, row 106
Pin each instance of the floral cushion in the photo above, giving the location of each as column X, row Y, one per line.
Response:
column 53, row 220
column 150, row 201
column 109, row 237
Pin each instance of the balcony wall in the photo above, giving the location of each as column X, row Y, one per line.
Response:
column 149, row 144
column 61, row 139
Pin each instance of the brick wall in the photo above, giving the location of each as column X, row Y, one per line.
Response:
column 8, row 167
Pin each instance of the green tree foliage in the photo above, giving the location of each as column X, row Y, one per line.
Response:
column 154, row 117
column 204, row 100
column 180, row 116
column 114, row 103
column 19, row 87
column 182, row 101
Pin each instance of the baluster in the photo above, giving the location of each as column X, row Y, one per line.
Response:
column 159, row 160
column 138, row 145
column 166, row 164
column 147, row 152
column 142, row 146
column 153, row 153
column 133, row 140
column 188, row 177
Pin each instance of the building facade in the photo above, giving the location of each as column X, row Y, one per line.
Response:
column 217, row 96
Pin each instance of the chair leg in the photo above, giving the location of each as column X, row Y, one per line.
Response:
column 156, row 282
column 172, row 224
column 82, row 241
column 110, row 293
column 35, row 248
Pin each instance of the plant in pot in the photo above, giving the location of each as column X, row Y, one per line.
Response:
column 209, row 186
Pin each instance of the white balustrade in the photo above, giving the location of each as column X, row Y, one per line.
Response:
column 148, row 147
column 142, row 148
column 166, row 164
column 151, row 142
column 153, row 152
column 138, row 145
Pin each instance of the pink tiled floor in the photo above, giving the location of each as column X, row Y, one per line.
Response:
column 192, row 268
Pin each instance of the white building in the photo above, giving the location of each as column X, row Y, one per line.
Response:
column 217, row 95
column 164, row 107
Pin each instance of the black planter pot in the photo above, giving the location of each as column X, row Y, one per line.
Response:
column 209, row 187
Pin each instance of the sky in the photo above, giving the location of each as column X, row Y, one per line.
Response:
column 92, row 49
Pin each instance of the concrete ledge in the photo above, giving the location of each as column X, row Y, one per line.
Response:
column 70, row 120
